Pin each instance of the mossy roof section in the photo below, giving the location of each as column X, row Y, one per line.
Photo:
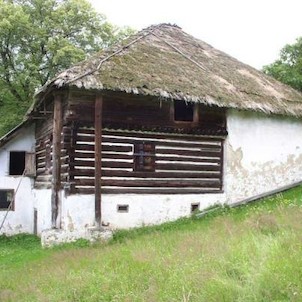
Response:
column 166, row 62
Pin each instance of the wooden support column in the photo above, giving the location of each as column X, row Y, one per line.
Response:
column 98, row 158
column 56, row 162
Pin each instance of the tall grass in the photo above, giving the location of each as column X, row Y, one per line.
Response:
column 251, row 253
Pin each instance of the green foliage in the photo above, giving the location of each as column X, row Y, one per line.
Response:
column 39, row 38
column 288, row 68
column 249, row 253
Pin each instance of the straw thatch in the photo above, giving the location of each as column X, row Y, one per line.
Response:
column 166, row 62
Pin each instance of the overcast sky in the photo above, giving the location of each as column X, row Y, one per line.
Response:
column 252, row 31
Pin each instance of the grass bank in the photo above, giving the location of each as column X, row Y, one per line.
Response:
column 251, row 253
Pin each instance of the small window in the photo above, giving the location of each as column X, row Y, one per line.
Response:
column 16, row 162
column 144, row 157
column 123, row 208
column 194, row 207
column 7, row 200
column 183, row 111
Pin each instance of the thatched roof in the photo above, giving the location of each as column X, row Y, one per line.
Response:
column 166, row 62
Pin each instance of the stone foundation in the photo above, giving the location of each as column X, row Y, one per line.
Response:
column 52, row 237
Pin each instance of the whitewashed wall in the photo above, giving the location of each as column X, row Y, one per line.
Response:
column 78, row 210
column 262, row 153
column 21, row 219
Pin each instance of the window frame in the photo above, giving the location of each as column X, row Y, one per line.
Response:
column 29, row 163
column 11, row 205
column 10, row 160
column 195, row 119
column 141, row 151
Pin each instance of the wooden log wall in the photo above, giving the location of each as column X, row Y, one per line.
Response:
column 123, row 112
column 183, row 164
column 44, row 150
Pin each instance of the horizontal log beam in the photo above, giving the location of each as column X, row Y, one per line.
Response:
column 178, row 183
column 87, row 147
column 158, row 166
column 156, row 191
column 159, row 142
column 206, row 153
column 156, row 135
column 138, row 174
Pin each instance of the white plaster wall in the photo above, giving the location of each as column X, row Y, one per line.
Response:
column 21, row 219
column 42, row 204
column 78, row 210
column 262, row 153
column 153, row 209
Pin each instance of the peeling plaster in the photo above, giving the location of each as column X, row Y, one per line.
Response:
column 259, row 154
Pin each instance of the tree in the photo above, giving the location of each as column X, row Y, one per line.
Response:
column 39, row 38
column 288, row 68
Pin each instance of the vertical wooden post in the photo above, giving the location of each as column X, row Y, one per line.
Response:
column 98, row 158
column 56, row 161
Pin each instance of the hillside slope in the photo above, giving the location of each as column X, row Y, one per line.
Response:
column 251, row 253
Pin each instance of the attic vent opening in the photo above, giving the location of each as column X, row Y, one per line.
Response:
column 183, row 112
column 16, row 162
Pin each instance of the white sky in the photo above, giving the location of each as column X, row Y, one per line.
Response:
column 252, row 31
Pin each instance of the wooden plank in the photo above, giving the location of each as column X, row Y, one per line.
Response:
column 41, row 164
column 157, row 191
column 188, row 159
column 84, row 147
column 98, row 157
column 158, row 140
column 157, row 158
column 105, row 164
column 221, row 167
column 163, row 141
column 113, row 148
column 186, row 167
column 123, row 173
column 214, row 152
column 178, row 183
column 86, row 155
column 71, row 152
column 202, row 153
column 44, row 178
column 155, row 135
column 42, row 185
column 159, row 134
column 56, row 164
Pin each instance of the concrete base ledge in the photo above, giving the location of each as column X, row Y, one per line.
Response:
column 52, row 237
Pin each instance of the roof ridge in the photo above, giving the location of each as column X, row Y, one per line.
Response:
column 144, row 33
column 179, row 51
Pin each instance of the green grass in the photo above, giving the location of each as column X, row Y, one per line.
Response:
column 250, row 253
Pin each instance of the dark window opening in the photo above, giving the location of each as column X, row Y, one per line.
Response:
column 183, row 111
column 194, row 207
column 6, row 200
column 16, row 162
column 123, row 208
column 144, row 157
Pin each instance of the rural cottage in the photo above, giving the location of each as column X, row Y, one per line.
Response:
column 146, row 132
